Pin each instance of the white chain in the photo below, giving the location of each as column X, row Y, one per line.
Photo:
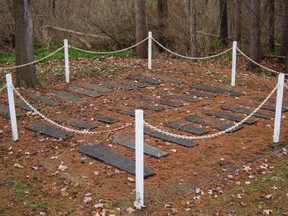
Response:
column 286, row 86
column 85, row 132
column 34, row 62
column 116, row 51
column 3, row 87
column 188, row 57
column 215, row 134
column 266, row 68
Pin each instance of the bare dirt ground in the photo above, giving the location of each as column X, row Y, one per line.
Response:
column 239, row 173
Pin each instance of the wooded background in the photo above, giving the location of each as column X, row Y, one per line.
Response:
column 114, row 22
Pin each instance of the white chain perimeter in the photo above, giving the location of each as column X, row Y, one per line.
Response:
column 85, row 132
column 266, row 68
column 3, row 87
column 215, row 134
column 188, row 57
column 116, row 51
column 34, row 62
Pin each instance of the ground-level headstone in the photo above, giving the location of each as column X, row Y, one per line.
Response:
column 185, row 98
column 215, row 89
column 186, row 128
column 144, row 79
column 113, row 158
column 229, row 116
column 4, row 111
column 106, row 119
column 152, row 107
column 179, row 141
column 170, row 103
column 49, row 130
column 46, row 100
column 148, row 149
column 84, row 92
column 98, row 88
column 246, row 111
column 70, row 97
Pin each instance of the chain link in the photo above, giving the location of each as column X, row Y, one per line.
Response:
column 215, row 134
column 286, row 86
column 116, row 51
column 34, row 62
column 266, row 68
column 3, row 87
column 188, row 57
column 84, row 132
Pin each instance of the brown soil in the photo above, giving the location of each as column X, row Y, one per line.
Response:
column 37, row 186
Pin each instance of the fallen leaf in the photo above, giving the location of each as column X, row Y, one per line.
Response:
column 131, row 179
column 62, row 167
column 99, row 205
column 267, row 212
column 130, row 210
column 18, row 166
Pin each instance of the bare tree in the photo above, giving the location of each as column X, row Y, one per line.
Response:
column 238, row 13
column 162, row 8
column 25, row 76
column 271, row 4
column 223, row 23
column 284, row 27
column 193, row 39
column 255, row 32
column 141, row 30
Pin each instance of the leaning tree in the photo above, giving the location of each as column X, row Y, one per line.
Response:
column 141, row 30
column 25, row 76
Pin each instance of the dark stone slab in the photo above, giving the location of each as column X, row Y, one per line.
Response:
column 170, row 103
column 185, row 98
column 212, row 122
column 229, row 116
column 273, row 101
column 48, row 130
column 144, row 79
column 4, row 111
column 126, row 112
column 202, row 94
column 186, row 128
column 246, row 111
column 215, row 89
column 120, row 86
column 273, row 108
column 152, row 107
column 82, row 124
column 98, row 88
column 183, row 142
column 25, row 107
column 70, row 97
column 84, row 92
column 148, row 149
column 226, row 126
column 112, row 158
column 138, row 85
column 106, row 119
column 192, row 118
column 159, row 76
column 146, row 98
column 46, row 100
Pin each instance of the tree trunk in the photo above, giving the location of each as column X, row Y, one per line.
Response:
column 284, row 27
column 238, row 12
column 271, row 25
column 162, row 7
column 193, row 39
column 223, row 23
column 54, row 7
column 255, row 32
column 25, row 76
column 141, row 31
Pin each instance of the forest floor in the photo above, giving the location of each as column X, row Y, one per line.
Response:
column 239, row 173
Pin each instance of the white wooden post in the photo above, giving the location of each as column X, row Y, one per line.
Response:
column 12, row 111
column 150, row 50
column 66, row 57
column 139, row 164
column 234, row 58
column 278, row 113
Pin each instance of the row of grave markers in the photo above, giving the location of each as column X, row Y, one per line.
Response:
column 139, row 131
column 233, row 71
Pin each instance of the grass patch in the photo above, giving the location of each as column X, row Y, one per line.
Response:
column 19, row 188
column 39, row 206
